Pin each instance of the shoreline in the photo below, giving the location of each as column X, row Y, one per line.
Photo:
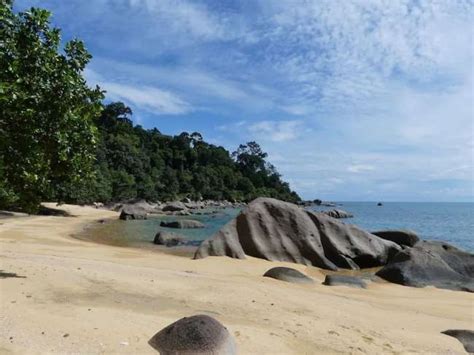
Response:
column 113, row 299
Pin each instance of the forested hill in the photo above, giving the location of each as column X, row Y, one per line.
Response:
column 59, row 141
column 136, row 163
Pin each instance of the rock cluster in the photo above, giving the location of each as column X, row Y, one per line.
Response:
column 431, row 263
column 276, row 230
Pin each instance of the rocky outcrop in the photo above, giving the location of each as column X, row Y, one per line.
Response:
column 174, row 207
column 199, row 334
column 466, row 337
column 182, row 224
column 132, row 212
column 288, row 274
column 338, row 214
column 401, row 237
column 168, row 239
column 276, row 230
column 344, row 280
column 431, row 264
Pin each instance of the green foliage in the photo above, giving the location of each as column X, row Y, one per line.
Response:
column 47, row 132
column 138, row 163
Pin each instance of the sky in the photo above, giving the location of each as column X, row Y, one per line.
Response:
column 365, row 100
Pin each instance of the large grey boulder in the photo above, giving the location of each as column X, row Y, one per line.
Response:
column 431, row 264
column 168, row 239
column 174, row 207
column 182, row 224
column 275, row 230
column 401, row 237
column 288, row 274
column 466, row 337
column 199, row 334
column 344, row 280
column 132, row 212
column 335, row 213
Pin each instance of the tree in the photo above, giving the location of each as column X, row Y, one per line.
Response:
column 47, row 110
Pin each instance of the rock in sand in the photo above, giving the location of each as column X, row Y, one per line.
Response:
column 198, row 334
column 288, row 274
column 344, row 280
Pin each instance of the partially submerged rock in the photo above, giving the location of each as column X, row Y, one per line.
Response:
column 168, row 239
column 198, row 334
column 335, row 213
column 132, row 212
column 466, row 337
column 288, row 274
column 182, row 224
column 275, row 230
column 344, row 280
column 431, row 264
column 401, row 237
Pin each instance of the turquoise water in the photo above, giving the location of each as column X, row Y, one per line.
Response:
column 450, row 222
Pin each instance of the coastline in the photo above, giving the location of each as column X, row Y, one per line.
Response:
column 113, row 299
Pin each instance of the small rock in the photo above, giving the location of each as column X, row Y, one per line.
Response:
column 198, row 334
column 65, row 335
column 288, row 274
column 182, row 224
column 168, row 239
column 344, row 280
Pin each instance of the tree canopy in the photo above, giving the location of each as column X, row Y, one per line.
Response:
column 47, row 110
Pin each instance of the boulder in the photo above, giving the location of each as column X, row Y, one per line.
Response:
column 132, row 212
column 338, row 214
column 275, row 230
column 198, row 334
column 431, row 264
column 174, row 206
column 288, row 274
column 182, row 224
column 466, row 337
column 168, row 239
column 344, row 280
column 401, row 237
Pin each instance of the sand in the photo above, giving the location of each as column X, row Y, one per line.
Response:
column 74, row 296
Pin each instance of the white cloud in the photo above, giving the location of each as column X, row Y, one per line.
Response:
column 276, row 131
column 149, row 98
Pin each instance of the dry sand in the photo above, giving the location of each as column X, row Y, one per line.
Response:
column 80, row 297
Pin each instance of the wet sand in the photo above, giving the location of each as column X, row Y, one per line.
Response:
column 59, row 294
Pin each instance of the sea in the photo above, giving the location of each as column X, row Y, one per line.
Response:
column 449, row 222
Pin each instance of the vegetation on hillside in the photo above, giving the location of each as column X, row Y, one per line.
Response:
column 60, row 142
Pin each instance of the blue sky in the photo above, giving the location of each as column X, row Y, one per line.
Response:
column 352, row 99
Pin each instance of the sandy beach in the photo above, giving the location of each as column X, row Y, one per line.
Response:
column 73, row 296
